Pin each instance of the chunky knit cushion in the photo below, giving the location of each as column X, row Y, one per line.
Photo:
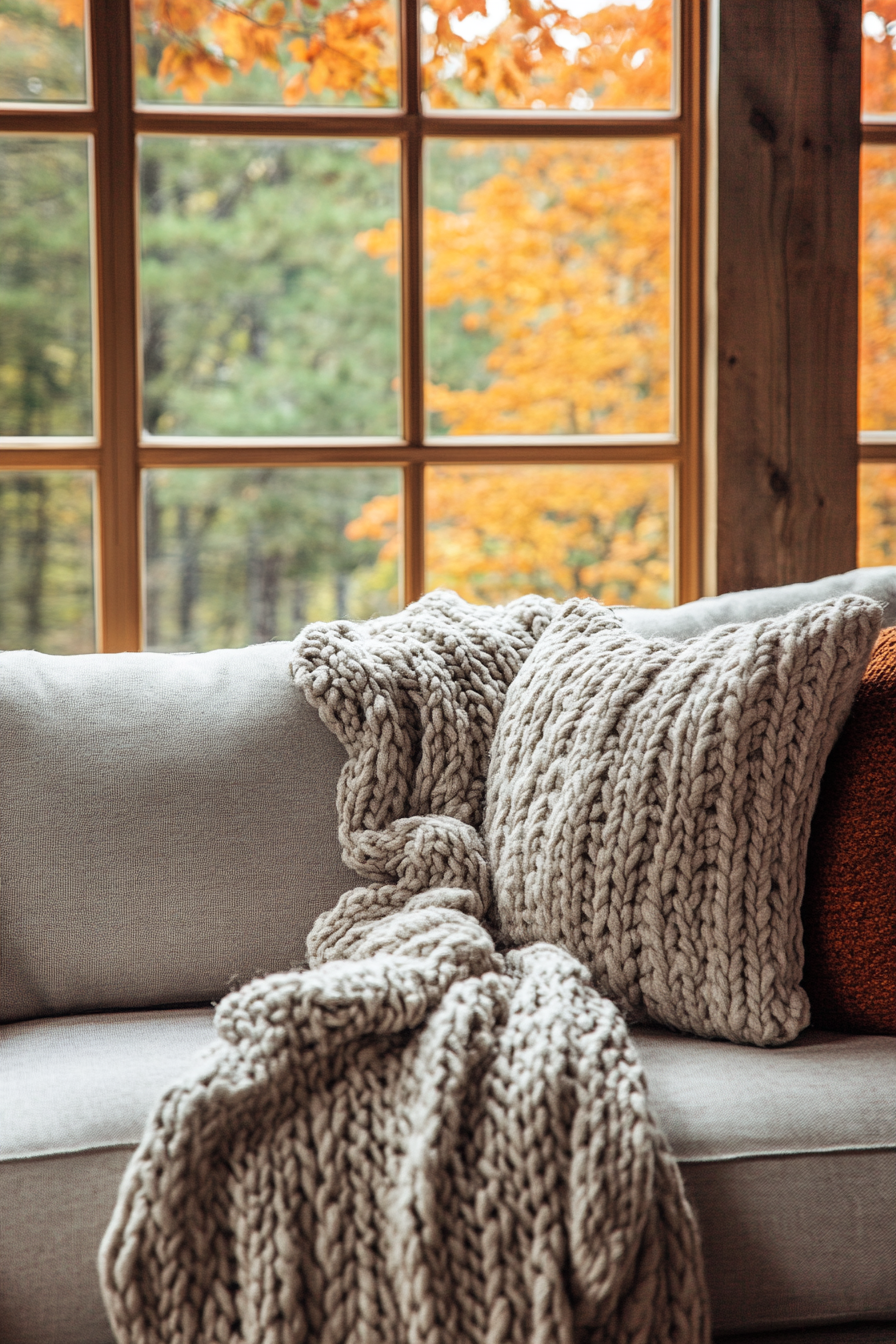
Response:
column 648, row 807
column 849, row 910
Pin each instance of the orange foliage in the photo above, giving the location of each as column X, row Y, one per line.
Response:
column 348, row 51
column 563, row 257
column 519, row 53
column 191, row 72
column 879, row 57
column 877, row 514
column 540, row 53
column 494, row 533
column 70, row 13
column 877, row 402
column 877, row 347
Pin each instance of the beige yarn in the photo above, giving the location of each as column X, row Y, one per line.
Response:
column 649, row 806
column 419, row 1140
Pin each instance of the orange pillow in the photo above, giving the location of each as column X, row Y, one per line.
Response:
column 849, row 909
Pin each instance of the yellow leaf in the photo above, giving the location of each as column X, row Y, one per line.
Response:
column 294, row 90
column 384, row 151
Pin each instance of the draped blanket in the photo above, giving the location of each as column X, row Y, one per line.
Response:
column 420, row 1139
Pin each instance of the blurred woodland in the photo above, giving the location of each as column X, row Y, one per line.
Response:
column 270, row 307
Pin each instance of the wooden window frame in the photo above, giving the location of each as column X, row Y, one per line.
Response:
column 121, row 451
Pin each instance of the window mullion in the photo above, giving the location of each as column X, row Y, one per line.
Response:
column 115, row 232
column 690, row 223
column 412, row 335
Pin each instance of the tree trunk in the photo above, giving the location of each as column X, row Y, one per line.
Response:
column 34, row 537
column 152, row 523
column 189, row 573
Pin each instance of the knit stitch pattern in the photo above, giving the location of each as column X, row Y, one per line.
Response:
column 649, row 806
column 418, row 1140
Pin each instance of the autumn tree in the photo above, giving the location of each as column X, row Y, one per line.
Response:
column 877, row 353
column 877, row 347
column 240, row 555
column 42, row 53
column 495, row 533
column 879, row 57
column 877, row 358
column 556, row 320
column 518, row 54
column 548, row 289
column 548, row 297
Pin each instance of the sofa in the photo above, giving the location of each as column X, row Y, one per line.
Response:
column 168, row 831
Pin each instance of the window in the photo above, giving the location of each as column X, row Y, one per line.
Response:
column 877, row 341
column 310, row 309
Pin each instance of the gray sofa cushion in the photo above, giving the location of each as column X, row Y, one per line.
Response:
column 74, row 1098
column 881, row 1333
column 692, row 618
column 789, row 1156
column 167, row 825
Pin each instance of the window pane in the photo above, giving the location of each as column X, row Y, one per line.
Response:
column 548, row 286
column 323, row 53
column 877, row 513
column 877, row 345
column 245, row 555
column 46, row 561
column 42, row 51
column 879, row 58
column 45, row 345
column 262, row 312
column 577, row 55
column 494, row 533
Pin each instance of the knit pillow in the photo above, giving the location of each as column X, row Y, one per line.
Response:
column 849, row 910
column 648, row 807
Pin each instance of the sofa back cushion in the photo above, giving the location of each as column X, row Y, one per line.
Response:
column 755, row 604
column 167, row 826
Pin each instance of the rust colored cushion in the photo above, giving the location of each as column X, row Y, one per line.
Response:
column 849, row 909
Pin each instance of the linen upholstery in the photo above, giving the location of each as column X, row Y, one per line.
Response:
column 789, row 1158
column 754, row 604
column 823, row 1334
column 166, row 826
column 849, row 909
column 713, row 1100
column 649, row 803
column 73, row 1103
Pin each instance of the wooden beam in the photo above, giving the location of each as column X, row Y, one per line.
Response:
column 788, row 193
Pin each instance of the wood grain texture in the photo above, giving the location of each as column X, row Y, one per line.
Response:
column 118, row 567
column 789, row 138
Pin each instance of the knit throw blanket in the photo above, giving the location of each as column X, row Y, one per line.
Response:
column 420, row 1139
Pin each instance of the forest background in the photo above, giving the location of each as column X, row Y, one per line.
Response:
column 270, row 307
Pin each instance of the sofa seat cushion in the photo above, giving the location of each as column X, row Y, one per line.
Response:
column 74, row 1096
column 789, row 1157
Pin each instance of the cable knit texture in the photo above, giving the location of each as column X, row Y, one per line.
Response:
column 418, row 1140
column 649, row 807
